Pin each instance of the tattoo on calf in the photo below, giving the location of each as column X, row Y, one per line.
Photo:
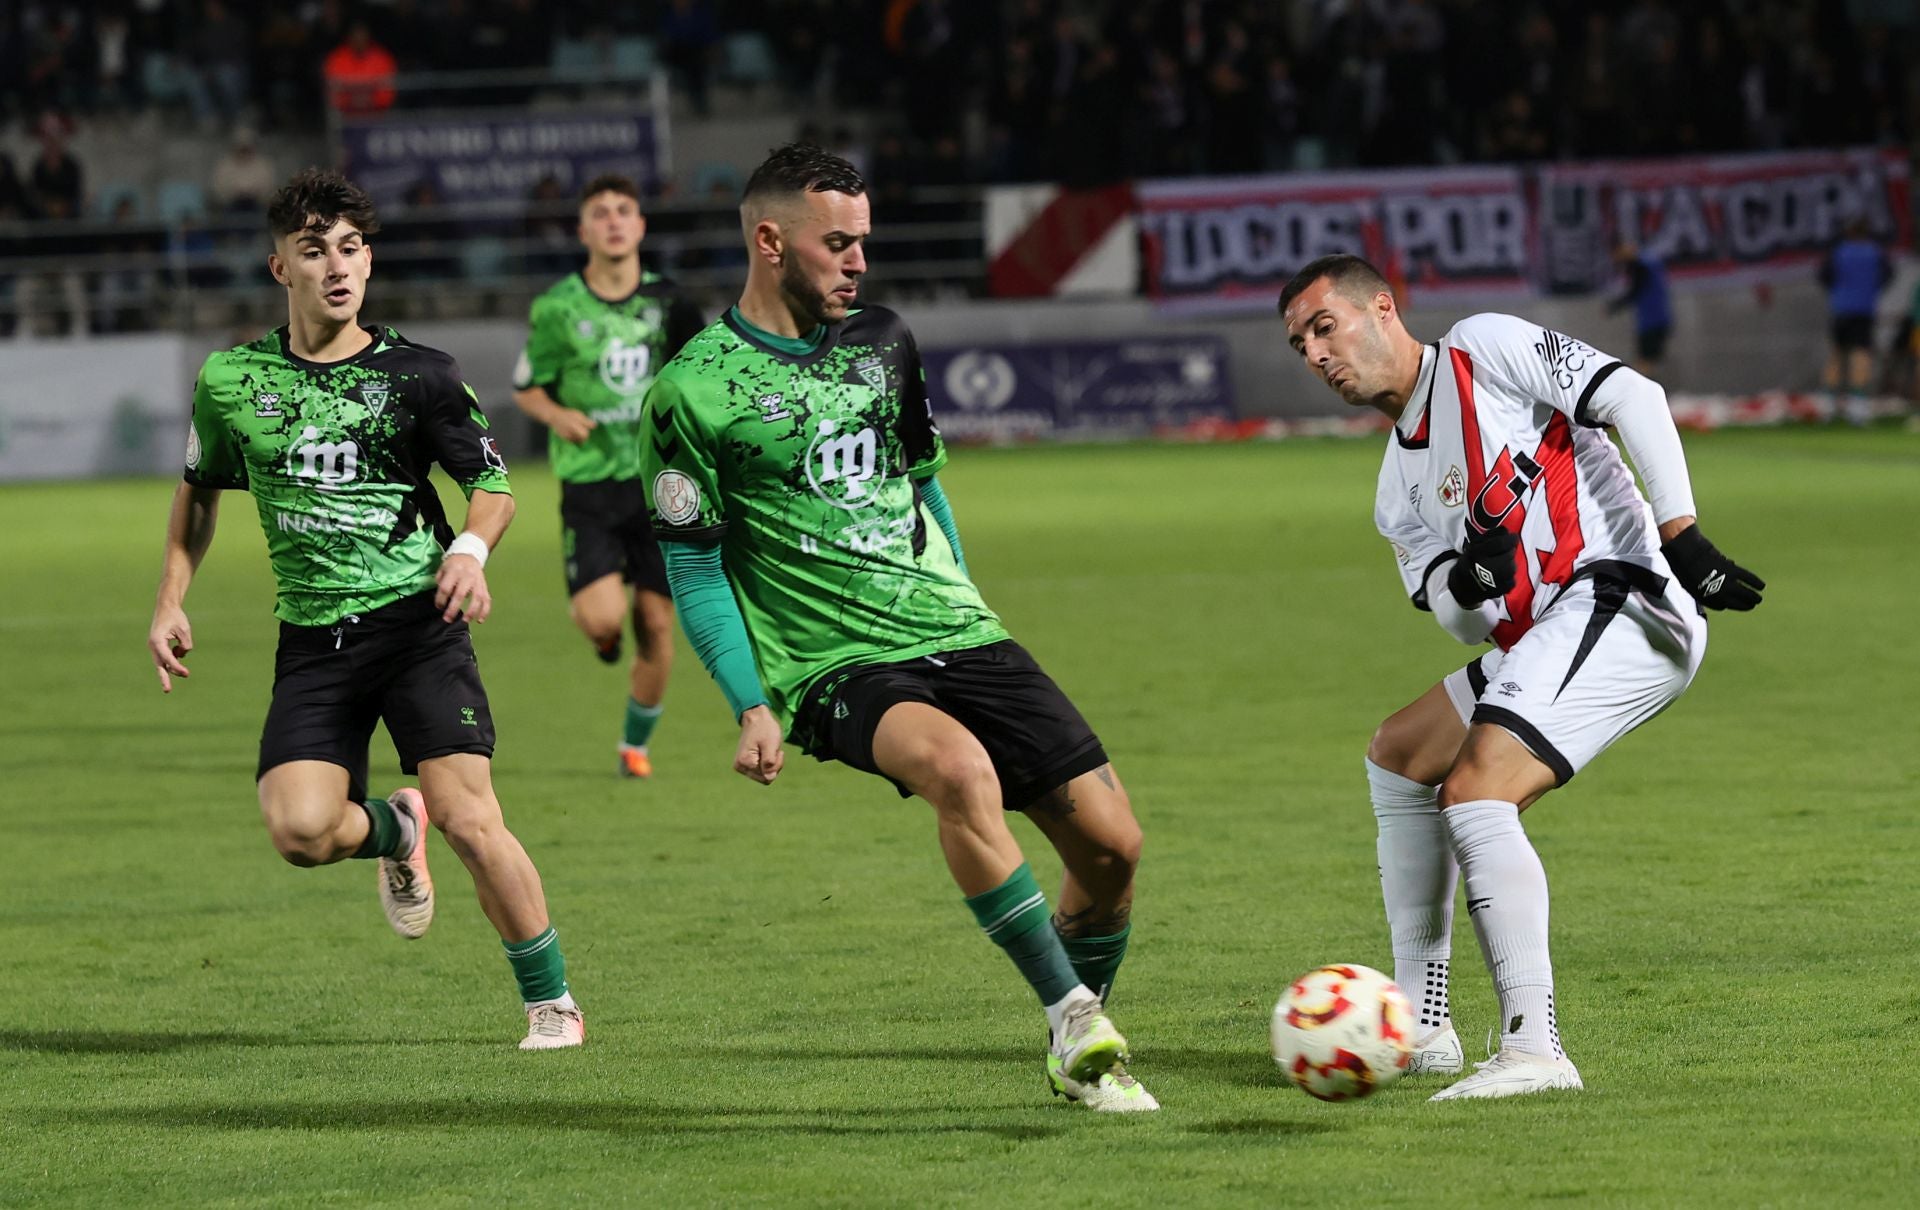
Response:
column 1093, row 921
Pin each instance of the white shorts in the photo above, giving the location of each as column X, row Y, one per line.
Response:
column 1602, row 660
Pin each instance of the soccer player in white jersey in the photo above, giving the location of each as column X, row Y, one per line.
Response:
column 1515, row 520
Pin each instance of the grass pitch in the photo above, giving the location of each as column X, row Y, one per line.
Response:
column 787, row 1003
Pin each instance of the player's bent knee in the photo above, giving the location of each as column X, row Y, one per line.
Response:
column 302, row 839
column 953, row 778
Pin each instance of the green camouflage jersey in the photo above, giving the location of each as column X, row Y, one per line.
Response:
column 600, row 357
column 336, row 456
column 803, row 465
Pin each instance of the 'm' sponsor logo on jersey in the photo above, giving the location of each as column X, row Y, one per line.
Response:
column 330, row 462
column 1453, row 489
column 840, row 466
column 623, row 367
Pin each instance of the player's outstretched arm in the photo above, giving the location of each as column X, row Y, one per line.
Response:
column 190, row 527
column 703, row 601
column 461, row 583
column 570, row 424
column 1637, row 409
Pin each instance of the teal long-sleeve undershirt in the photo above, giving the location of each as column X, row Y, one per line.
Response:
column 935, row 498
column 703, row 598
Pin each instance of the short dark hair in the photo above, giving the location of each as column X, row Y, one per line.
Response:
column 1354, row 277
column 803, row 168
column 610, row 182
column 317, row 198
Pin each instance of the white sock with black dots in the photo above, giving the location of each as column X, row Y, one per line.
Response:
column 1417, row 877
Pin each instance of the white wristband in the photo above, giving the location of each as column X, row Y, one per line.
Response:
column 470, row 544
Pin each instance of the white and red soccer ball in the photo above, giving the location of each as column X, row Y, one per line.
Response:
column 1343, row 1032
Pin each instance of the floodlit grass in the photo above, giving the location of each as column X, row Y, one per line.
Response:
column 787, row 1003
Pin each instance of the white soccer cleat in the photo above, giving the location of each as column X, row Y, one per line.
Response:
column 1087, row 1045
column 1116, row 1091
column 1513, row 1073
column 1439, row 1053
column 406, row 889
column 551, row 1026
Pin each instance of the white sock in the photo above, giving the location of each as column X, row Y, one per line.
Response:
column 1057, row 1011
column 565, row 1001
column 1417, row 876
column 1507, row 901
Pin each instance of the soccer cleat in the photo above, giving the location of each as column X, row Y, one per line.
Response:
column 634, row 763
column 608, row 653
column 552, row 1026
column 1439, row 1053
column 1513, row 1073
column 1115, row 1091
column 406, row 889
column 1088, row 1045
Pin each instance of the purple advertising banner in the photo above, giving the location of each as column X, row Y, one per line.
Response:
column 496, row 158
column 1110, row 388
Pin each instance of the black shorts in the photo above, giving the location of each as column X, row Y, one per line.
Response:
column 1853, row 331
column 1036, row 737
column 604, row 529
column 1653, row 343
column 400, row 664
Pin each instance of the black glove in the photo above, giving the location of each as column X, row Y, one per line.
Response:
column 1485, row 568
column 1714, row 580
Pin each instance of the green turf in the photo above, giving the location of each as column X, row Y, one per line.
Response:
column 788, row 1003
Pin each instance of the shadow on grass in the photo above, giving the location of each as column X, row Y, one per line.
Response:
column 131, row 1042
column 635, row 1118
column 1247, row 1068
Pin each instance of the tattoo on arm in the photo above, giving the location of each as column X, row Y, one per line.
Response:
column 1096, row 920
column 1105, row 774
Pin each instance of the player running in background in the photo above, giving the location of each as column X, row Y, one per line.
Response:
column 791, row 469
column 333, row 428
column 1652, row 302
column 594, row 343
column 1854, row 273
column 1514, row 519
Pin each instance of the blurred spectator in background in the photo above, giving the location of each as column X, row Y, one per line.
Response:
column 1854, row 273
column 359, row 74
column 13, row 194
column 112, row 61
column 123, row 290
column 242, row 179
column 1646, row 292
column 55, row 186
column 290, row 88
column 221, row 51
column 689, row 39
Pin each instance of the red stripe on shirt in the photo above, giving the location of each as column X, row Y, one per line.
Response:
column 1555, row 457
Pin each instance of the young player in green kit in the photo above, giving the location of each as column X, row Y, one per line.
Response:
column 791, row 470
column 333, row 428
column 594, row 343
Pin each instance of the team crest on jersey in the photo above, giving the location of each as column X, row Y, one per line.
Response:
column 675, row 497
column 375, row 398
column 650, row 316
column 872, row 373
column 774, row 406
column 266, row 405
column 1453, row 489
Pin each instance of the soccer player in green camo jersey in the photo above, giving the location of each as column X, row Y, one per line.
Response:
column 594, row 343
column 333, row 427
column 791, row 467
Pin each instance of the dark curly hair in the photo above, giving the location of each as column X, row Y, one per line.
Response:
column 317, row 198
column 803, row 168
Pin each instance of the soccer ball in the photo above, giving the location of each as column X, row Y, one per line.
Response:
column 1342, row 1032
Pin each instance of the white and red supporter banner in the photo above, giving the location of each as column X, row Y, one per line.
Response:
column 1717, row 219
column 1231, row 243
column 1501, row 232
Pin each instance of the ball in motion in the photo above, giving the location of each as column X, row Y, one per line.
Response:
column 1342, row 1032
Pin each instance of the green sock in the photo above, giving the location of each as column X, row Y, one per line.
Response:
column 641, row 721
column 1097, row 960
column 384, row 833
column 539, row 966
column 1015, row 917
